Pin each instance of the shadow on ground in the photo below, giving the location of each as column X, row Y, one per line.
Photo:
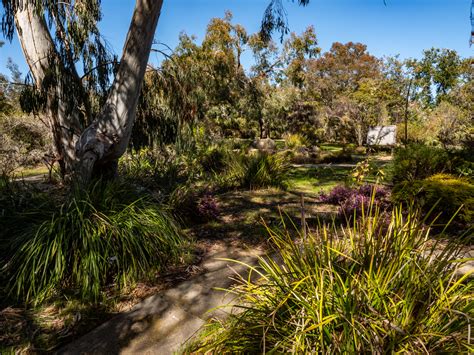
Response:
column 246, row 215
column 163, row 322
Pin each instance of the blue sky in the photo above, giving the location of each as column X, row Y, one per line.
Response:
column 404, row 27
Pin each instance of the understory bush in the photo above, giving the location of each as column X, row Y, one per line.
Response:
column 353, row 201
column 369, row 290
column 193, row 205
column 462, row 162
column 167, row 168
column 304, row 155
column 418, row 161
column 24, row 141
column 213, row 159
column 159, row 169
column 293, row 141
column 442, row 195
column 97, row 237
column 260, row 170
column 336, row 157
column 16, row 196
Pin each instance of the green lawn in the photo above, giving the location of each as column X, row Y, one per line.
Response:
column 26, row 172
column 317, row 179
column 331, row 147
column 313, row 180
column 279, row 144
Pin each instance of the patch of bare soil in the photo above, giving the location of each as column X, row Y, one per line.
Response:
column 245, row 216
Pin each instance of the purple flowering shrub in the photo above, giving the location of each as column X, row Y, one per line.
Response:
column 193, row 206
column 337, row 195
column 354, row 200
column 207, row 208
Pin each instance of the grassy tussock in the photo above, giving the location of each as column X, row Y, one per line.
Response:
column 381, row 287
column 96, row 238
column 260, row 170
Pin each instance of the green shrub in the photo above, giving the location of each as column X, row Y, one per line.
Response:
column 139, row 163
column 361, row 150
column 443, row 194
column 97, row 237
column 350, row 148
column 161, row 170
column 260, row 170
column 418, row 161
column 239, row 143
column 462, row 162
column 213, row 159
column 293, row 141
column 338, row 156
column 304, row 155
column 381, row 288
column 16, row 196
column 24, row 141
column 191, row 204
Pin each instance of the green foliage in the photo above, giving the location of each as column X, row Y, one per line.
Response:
column 190, row 159
column 361, row 171
column 20, row 207
column 191, row 204
column 260, row 170
column 446, row 124
column 157, row 121
column 417, row 161
column 366, row 168
column 160, row 169
column 138, row 164
column 214, row 159
column 462, row 160
column 293, row 141
column 442, row 195
column 304, row 119
column 275, row 19
column 97, row 237
column 440, row 68
column 335, row 96
column 383, row 287
column 337, row 156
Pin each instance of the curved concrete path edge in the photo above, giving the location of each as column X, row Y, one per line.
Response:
column 162, row 323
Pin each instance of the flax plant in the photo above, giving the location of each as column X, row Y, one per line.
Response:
column 96, row 238
column 379, row 285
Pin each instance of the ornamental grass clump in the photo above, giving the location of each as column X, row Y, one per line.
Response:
column 260, row 170
column 95, row 238
column 367, row 289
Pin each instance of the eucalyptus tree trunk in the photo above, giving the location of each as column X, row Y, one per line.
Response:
column 43, row 61
column 95, row 149
column 106, row 139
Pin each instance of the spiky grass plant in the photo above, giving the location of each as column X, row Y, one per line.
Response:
column 98, row 237
column 260, row 170
column 376, row 287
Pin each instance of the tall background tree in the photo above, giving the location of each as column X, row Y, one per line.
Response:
column 92, row 116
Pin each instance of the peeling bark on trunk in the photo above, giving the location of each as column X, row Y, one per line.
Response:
column 99, row 146
column 106, row 139
column 42, row 58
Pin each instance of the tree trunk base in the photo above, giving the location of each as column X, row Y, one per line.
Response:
column 106, row 171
